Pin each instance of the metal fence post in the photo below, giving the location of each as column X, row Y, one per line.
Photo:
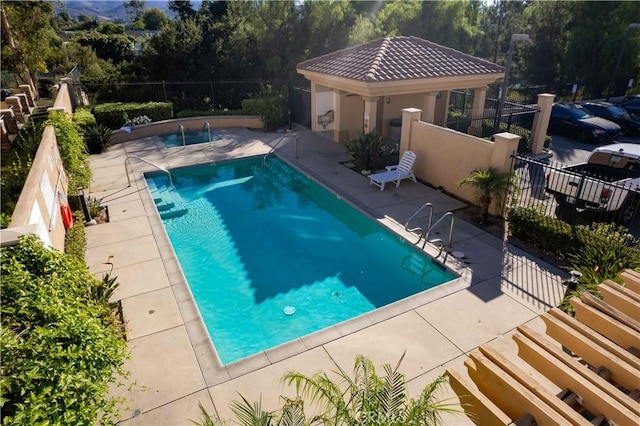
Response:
column 164, row 90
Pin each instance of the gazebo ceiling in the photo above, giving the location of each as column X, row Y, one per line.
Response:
column 408, row 64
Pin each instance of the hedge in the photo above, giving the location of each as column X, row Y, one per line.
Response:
column 272, row 109
column 60, row 350
column 115, row 115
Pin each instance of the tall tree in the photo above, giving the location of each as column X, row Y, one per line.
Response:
column 154, row 18
column 28, row 36
column 134, row 9
column 182, row 8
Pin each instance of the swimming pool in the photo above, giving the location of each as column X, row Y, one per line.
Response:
column 191, row 137
column 270, row 255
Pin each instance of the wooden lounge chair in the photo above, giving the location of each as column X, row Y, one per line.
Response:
column 396, row 173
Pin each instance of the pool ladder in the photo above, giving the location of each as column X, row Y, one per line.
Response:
column 207, row 126
column 181, row 128
column 295, row 140
column 127, row 162
column 424, row 235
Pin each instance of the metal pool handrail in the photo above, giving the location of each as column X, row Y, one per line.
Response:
column 295, row 138
column 208, row 127
column 182, row 132
column 420, row 230
column 453, row 220
column 127, row 162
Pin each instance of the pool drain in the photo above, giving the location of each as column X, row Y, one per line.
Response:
column 336, row 294
column 289, row 310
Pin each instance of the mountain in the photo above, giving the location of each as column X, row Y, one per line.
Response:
column 111, row 10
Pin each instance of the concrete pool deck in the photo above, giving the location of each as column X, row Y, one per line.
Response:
column 173, row 364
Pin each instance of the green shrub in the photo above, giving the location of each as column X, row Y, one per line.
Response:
column 200, row 113
column 545, row 232
column 366, row 150
column 97, row 137
column 83, row 118
column 72, row 149
column 114, row 115
column 75, row 243
column 60, row 352
column 271, row 108
column 12, row 180
column 5, row 220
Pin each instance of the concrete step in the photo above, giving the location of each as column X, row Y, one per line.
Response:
column 165, row 207
column 172, row 214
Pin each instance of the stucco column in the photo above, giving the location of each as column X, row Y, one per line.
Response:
column 504, row 145
column 541, row 122
column 370, row 113
column 477, row 111
column 409, row 115
column 442, row 108
column 429, row 106
column 337, row 122
column 314, row 116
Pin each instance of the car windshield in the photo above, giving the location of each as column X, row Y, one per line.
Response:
column 580, row 112
column 616, row 112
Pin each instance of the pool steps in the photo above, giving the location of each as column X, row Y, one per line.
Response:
column 169, row 203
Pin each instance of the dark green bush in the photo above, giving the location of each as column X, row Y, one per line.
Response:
column 545, row 232
column 271, row 108
column 60, row 350
column 5, row 220
column 97, row 137
column 72, row 149
column 114, row 115
column 75, row 242
column 200, row 113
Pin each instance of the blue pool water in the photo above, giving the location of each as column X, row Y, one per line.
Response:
column 270, row 255
column 191, row 137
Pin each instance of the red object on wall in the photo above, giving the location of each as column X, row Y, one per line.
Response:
column 67, row 216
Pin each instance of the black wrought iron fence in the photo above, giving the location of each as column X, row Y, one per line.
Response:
column 183, row 95
column 576, row 197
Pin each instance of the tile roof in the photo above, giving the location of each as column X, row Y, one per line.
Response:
column 399, row 58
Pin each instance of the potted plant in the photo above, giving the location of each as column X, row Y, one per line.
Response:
column 366, row 151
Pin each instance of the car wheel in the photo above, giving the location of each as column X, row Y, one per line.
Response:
column 584, row 136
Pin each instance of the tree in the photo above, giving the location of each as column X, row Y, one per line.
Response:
column 182, row 8
column 134, row 9
column 154, row 18
column 488, row 185
column 28, row 36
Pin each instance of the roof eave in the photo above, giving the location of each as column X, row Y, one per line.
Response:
column 401, row 87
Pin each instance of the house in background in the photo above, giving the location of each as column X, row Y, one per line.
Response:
column 366, row 87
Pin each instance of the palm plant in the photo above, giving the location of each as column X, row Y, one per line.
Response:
column 488, row 184
column 368, row 398
column 364, row 399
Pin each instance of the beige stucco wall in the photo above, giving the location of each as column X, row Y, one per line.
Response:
column 63, row 99
column 393, row 106
column 44, row 180
column 445, row 156
column 190, row 123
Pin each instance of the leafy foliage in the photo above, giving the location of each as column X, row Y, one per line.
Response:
column 72, row 149
column 97, row 137
column 270, row 107
column 599, row 251
column 59, row 351
column 115, row 115
column 366, row 150
column 489, row 185
column 75, row 241
column 83, row 118
column 364, row 398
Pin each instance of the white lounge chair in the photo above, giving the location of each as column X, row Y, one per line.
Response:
column 396, row 173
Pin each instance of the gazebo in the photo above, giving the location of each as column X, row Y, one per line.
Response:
column 365, row 87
